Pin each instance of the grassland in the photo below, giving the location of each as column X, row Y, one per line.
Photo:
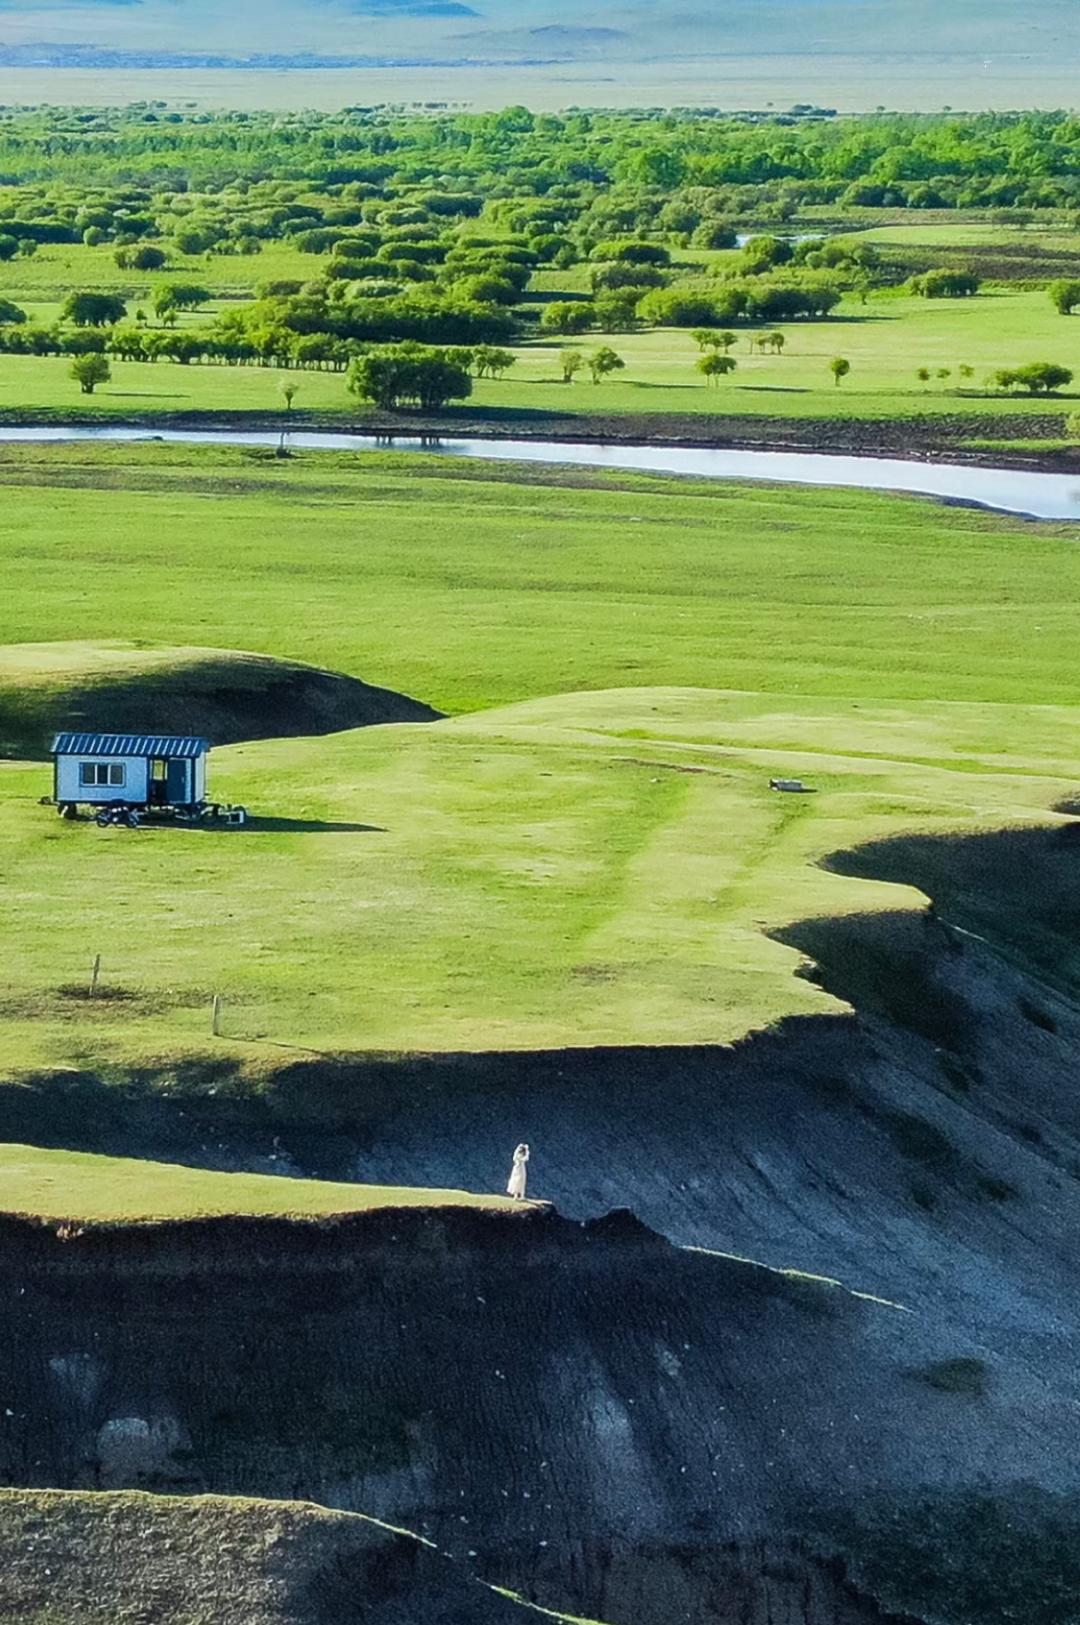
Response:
column 589, row 850
column 887, row 339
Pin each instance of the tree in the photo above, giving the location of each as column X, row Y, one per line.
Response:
column 716, row 366
column 166, row 308
column 186, row 295
column 90, row 370
column 775, row 342
column 94, row 309
column 965, row 371
column 727, row 341
column 839, row 368
column 571, row 362
column 491, row 361
column 706, row 338
column 1064, row 296
column 11, row 315
column 396, row 375
column 944, row 373
column 602, row 362
column 923, row 375
column 183, row 348
column 129, row 343
column 567, row 317
column 9, row 247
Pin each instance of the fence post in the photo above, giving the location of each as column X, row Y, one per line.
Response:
column 94, row 975
column 216, row 1022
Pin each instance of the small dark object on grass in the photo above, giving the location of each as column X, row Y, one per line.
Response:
column 792, row 786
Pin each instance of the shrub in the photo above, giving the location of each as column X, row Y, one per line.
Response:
column 715, row 234
column 1037, row 377
column 621, row 274
column 678, row 307
column 567, row 316
column 632, row 253
column 1064, row 296
column 144, row 258
column 944, row 284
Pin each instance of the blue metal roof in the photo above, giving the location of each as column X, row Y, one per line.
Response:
column 170, row 746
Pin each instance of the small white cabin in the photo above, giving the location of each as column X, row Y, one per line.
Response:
column 132, row 770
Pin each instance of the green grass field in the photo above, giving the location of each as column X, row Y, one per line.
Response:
column 588, row 851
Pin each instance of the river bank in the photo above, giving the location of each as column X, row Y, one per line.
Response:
column 1024, row 442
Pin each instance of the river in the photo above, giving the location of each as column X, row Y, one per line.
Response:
column 1032, row 495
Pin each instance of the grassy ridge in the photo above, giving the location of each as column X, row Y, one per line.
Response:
column 64, row 1186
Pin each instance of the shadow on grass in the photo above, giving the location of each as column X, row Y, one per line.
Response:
column 270, row 826
column 309, row 826
column 257, row 826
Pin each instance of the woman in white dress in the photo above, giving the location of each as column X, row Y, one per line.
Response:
column 518, row 1177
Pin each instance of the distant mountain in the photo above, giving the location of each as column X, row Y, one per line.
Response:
column 523, row 30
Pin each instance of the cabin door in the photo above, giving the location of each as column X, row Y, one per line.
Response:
column 157, row 784
column 178, row 777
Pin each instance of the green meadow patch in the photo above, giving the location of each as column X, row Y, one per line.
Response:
column 588, row 850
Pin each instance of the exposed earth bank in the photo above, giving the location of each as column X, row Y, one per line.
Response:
column 722, row 1452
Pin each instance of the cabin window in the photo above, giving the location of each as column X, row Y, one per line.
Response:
column 96, row 774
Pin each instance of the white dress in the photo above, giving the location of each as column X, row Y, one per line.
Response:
column 519, row 1176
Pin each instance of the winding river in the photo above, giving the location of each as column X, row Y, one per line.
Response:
column 1006, row 490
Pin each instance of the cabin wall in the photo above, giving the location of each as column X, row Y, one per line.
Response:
column 200, row 779
column 135, row 788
